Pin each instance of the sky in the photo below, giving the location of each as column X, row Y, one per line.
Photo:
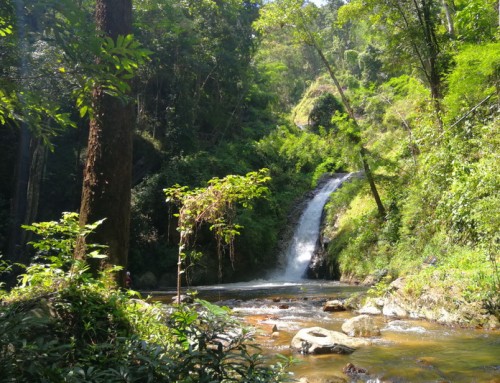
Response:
column 318, row 2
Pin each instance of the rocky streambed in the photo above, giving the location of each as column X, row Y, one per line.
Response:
column 397, row 347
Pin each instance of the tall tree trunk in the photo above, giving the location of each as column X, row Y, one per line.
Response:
column 107, row 173
column 449, row 18
column 428, row 26
column 354, row 138
column 16, row 252
column 31, row 164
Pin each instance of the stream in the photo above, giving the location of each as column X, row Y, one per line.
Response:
column 407, row 351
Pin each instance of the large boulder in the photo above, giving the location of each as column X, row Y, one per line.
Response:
column 317, row 340
column 393, row 309
column 362, row 325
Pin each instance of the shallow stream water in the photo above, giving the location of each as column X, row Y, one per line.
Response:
column 407, row 351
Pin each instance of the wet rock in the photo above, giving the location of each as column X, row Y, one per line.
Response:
column 284, row 307
column 183, row 299
column 275, row 332
column 392, row 309
column 379, row 302
column 354, row 371
column 318, row 267
column 334, row 306
column 374, row 278
column 317, row 340
column 372, row 307
column 362, row 325
column 370, row 280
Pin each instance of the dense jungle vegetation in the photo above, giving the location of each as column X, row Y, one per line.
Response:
column 408, row 92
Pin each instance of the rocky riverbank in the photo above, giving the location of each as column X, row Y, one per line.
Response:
column 434, row 302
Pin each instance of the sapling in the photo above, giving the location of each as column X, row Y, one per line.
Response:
column 214, row 205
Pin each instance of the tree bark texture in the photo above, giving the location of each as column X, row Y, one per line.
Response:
column 16, row 252
column 31, row 161
column 107, row 173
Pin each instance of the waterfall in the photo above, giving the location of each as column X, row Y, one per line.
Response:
column 305, row 237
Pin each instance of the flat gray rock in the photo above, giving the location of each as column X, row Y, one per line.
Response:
column 317, row 340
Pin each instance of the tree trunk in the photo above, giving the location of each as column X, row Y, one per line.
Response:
column 355, row 139
column 449, row 18
column 428, row 26
column 24, row 210
column 107, row 173
column 16, row 252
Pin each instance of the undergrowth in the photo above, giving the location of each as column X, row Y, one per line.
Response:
column 62, row 324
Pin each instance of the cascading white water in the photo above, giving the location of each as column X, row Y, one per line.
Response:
column 305, row 237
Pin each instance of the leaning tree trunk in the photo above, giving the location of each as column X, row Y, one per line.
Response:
column 354, row 138
column 107, row 174
column 449, row 18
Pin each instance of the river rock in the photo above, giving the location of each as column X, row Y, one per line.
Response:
column 397, row 284
column 354, row 371
column 493, row 323
column 317, row 340
column 334, row 306
column 362, row 325
column 183, row 299
column 372, row 307
column 391, row 309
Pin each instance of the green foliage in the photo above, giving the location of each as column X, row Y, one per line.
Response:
column 476, row 20
column 294, row 15
column 476, row 76
column 322, row 112
column 85, row 329
column 352, row 60
column 117, row 63
column 54, row 263
column 30, row 94
column 370, row 65
column 215, row 205
column 5, row 28
column 462, row 270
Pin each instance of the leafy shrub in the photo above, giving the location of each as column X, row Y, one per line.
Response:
column 62, row 324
